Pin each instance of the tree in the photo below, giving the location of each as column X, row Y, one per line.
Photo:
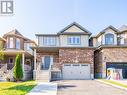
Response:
column 18, row 72
column 1, row 52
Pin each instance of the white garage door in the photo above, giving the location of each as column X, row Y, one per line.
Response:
column 76, row 71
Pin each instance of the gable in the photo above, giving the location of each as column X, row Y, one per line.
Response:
column 109, row 31
column 74, row 29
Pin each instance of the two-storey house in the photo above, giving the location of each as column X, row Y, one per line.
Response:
column 13, row 43
column 65, row 55
column 111, row 52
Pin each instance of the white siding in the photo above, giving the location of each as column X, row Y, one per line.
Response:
column 41, row 42
column 112, row 32
column 74, row 29
column 101, row 38
column 84, row 41
column 122, row 38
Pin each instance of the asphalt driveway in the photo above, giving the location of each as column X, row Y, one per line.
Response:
column 87, row 87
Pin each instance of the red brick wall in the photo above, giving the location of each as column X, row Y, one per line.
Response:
column 76, row 55
column 110, row 54
column 115, row 54
column 55, row 58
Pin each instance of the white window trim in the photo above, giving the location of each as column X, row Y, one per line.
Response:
column 17, row 47
column 72, row 40
column 49, row 41
column 11, row 42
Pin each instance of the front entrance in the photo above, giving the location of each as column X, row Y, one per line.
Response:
column 46, row 62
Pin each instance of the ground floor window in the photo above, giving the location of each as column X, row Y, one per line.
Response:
column 55, row 75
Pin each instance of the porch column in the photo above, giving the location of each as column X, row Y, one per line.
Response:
column 35, row 66
column 23, row 60
column 35, row 59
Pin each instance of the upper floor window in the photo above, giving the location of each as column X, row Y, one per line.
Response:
column 73, row 40
column 17, row 43
column 27, row 46
column 49, row 41
column 109, row 39
column 11, row 44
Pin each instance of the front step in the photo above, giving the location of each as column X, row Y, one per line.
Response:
column 43, row 76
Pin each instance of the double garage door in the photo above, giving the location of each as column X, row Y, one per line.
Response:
column 76, row 71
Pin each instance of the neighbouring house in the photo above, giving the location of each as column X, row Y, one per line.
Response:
column 65, row 55
column 111, row 52
column 15, row 43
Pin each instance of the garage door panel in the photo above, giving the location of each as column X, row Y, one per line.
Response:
column 76, row 71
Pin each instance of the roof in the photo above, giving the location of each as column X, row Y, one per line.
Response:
column 18, row 34
column 46, row 34
column 2, row 39
column 122, row 28
column 103, row 31
column 13, row 32
column 77, row 25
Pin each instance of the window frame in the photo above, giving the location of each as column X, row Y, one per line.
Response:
column 17, row 40
column 108, row 37
column 11, row 42
column 49, row 41
column 71, row 40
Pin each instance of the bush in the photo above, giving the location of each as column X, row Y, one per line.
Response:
column 18, row 72
column 7, row 79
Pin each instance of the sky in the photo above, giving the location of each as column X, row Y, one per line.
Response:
column 50, row 16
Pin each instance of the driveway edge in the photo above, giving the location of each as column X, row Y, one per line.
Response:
column 123, row 88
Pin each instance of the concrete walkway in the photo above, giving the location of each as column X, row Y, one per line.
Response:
column 44, row 89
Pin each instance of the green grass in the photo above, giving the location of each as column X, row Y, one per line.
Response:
column 115, row 83
column 14, row 88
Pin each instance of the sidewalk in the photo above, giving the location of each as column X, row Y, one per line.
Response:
column 114, row 85
column 44, row 89
column 122, row 81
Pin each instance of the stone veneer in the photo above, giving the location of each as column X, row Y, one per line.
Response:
column 110, row 54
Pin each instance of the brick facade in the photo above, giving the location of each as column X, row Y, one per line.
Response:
column 108, row 55
column 55, row 58
column 76, row 55
column 70, row 55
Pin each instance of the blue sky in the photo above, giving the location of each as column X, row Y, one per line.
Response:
column 50, row 16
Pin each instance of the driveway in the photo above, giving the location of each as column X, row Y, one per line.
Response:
column 86, row 87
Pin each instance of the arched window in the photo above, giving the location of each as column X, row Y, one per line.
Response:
column 109, row 39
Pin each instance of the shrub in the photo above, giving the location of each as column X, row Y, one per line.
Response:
column 18, row 72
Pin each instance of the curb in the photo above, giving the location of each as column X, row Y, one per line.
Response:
column 123, row 88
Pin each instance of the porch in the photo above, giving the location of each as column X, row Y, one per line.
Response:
column 46, row 64
column 6, row 66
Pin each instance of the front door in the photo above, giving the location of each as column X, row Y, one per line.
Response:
column 46, row 61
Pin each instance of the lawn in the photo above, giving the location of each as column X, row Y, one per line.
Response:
column 13, row 88
column 114, row 82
